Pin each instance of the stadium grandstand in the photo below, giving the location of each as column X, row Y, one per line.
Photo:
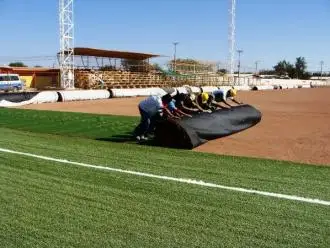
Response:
column 108, row 69
column 99, row 68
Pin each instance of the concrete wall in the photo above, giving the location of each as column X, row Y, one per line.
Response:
column 41, row 81
column 45, row 81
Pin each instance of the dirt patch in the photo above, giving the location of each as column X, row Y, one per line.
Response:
column 294, row 126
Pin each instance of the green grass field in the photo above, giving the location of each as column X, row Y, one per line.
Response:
column 51, row 204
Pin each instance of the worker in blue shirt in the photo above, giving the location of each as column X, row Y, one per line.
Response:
column 171, row 106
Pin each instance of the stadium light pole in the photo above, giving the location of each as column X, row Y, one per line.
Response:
column 239, row 60
column 66, row 54
column 174, row 56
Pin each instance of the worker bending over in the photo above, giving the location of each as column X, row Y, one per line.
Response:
column 151, row 109
column 204, row 101
column 171, row 106
column 187, row 103
column 222, row 96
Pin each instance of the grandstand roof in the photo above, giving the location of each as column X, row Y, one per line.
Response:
column 35, row 69
column 84, row 51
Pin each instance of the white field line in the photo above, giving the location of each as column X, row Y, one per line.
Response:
column 181, row 180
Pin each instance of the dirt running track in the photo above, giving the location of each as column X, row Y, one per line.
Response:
column 295, row 124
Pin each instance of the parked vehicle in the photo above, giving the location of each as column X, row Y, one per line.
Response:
column 10, row 82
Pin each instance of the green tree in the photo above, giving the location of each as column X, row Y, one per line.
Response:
column 298, row 70
column 282, row 68
column 285, row 68
column 291, row 71
column 300, row 67
column 306, row 76
column 267, row 72
column 17, row 64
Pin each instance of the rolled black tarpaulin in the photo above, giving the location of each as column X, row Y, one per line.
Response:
column 17, row 97
column 188, row 133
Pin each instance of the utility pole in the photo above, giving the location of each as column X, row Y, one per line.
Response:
column 322, row 62
column 256, row 63
column 174, row 59
column 231, row 36
column 239, row 60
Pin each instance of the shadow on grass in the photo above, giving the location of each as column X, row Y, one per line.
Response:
column 129, row 139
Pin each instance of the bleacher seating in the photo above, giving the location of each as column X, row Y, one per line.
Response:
column 126, row 79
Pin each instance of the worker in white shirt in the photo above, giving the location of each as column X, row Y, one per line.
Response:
column 222, row 96
column 151, row 109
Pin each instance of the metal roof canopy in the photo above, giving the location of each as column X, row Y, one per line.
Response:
column 83, row 51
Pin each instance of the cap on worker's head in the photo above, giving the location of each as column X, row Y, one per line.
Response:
column 192, row 97
column 205, row 97
column 233, row 92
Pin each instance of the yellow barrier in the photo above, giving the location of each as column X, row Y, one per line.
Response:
column 27, row 81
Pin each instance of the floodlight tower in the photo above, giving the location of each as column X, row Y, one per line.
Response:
column 231, row 35
column 66, row 59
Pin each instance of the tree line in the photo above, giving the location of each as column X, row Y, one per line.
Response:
column 293, row 70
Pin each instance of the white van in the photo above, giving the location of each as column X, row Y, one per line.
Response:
column 10, row 82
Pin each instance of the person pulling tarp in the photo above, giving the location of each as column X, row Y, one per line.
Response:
column 187, row 103
column 222, row 96
column 153, row 109
column 213, row 100
column 173, row 107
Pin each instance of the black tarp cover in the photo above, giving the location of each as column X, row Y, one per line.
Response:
column 17, row 97
column 188, row 133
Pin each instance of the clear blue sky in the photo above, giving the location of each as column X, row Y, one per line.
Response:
column 267, row 30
